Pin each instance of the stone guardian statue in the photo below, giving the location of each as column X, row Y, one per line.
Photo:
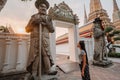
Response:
column 100, row 50
column 40, row 25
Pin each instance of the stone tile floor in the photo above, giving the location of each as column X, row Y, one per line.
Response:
column 96, row 73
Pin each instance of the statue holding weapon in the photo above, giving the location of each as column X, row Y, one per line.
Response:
column 40, row 59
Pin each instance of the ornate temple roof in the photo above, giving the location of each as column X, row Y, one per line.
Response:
column 63, row 12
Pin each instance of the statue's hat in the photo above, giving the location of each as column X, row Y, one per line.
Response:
column 38, row 2
column 97, row 20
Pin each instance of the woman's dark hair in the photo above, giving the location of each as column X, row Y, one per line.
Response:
column 82, row 45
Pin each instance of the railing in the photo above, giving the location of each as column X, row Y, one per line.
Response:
column 13, row 52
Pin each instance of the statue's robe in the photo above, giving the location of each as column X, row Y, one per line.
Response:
column 33, row 59
column 99, row 44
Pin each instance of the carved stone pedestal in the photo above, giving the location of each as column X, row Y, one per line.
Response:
column 20, row 75
column 49, row 77
column 103, row 63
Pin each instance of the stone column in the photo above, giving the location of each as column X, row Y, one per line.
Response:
column 73, row 40
column 87, row 47
column 27, row 48
column 19, row 56
column 2, row 53
column 91, row 49
column 93, row 46
column 24, row 55
column 6, row 66
column 53, row 43
column 13, row 55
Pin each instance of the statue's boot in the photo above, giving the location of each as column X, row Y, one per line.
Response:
column 53, row 70
column 35, row 77
column 52, row 73
column 105, row 59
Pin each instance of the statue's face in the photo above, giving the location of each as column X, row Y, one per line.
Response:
column 42, row 9
column 97, row 25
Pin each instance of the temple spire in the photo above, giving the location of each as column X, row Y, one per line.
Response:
column 116, row 11
column 85, row 15
column 115, row 6
column 96, row 10
column 95, row 5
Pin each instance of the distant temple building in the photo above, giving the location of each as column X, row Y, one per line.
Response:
column 116, row 15
column 85, row 31
column 96, row 10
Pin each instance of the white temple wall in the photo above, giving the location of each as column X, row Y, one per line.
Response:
column 14, row 50
column 62, row 49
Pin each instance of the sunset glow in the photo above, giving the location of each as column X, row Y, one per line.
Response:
column 20, row 30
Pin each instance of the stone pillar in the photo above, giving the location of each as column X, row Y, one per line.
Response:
column 73, row 40
column 6, row 66
column 93, row 46
column 2, row 52
column 91, row 49
column 27, row 48
column 25, row 53
column 87, row 48
column 13, row 55
column 53, row 43
column 20, row 55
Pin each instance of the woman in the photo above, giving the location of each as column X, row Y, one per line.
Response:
column 84, row 66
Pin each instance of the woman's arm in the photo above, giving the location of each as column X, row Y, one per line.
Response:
column 84, row 63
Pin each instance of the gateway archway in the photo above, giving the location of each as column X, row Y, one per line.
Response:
column 63, row 17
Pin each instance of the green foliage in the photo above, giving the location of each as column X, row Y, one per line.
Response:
column 116, row 32
column 111, row 34
column 116, row 55
column 108, row 29
column 116, row 38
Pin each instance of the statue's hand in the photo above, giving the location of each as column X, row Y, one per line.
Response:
column 37, row 21
column 43, row 23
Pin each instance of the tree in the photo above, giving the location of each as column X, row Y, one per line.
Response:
column 113, row 35
column 3, row 2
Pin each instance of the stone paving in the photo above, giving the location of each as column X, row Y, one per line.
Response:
column 96, row 73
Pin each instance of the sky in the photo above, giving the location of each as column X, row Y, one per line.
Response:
column 17, row 13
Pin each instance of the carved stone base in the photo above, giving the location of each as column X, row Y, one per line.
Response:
column 103, row 63
column 49, row 77
column 20, row 75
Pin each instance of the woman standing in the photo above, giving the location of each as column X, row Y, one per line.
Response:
column 84, row 66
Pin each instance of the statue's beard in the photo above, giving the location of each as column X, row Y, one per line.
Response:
column 43, row 12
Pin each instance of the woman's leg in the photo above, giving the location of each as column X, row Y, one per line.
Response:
column 81, row 65
column 86, row 73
